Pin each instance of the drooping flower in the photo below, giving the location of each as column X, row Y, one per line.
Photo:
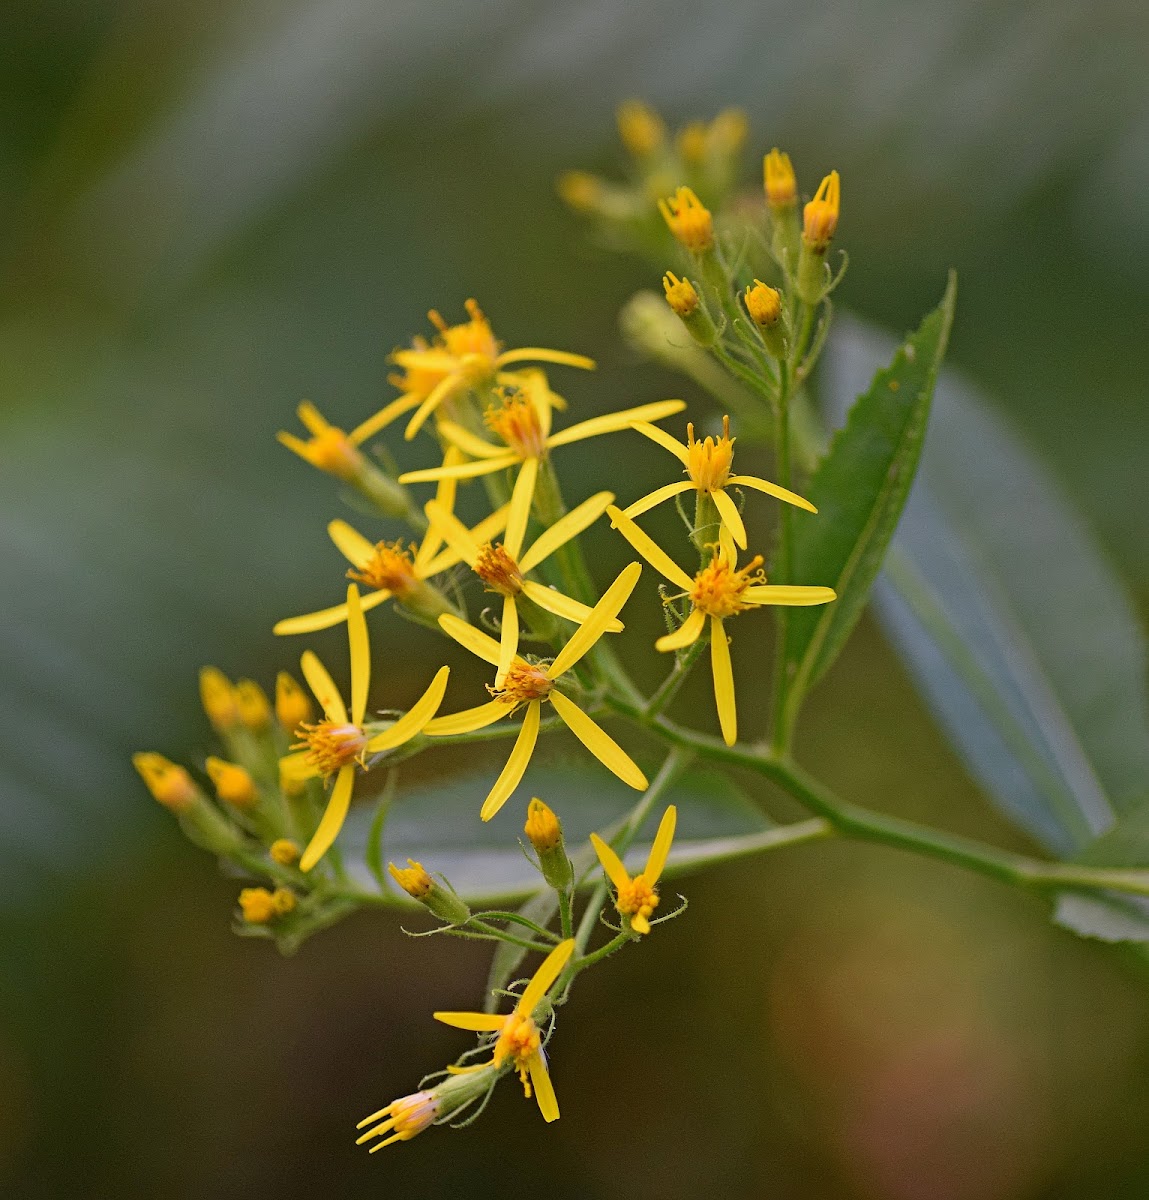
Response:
column 519, row 1040
column 718, row 591
column 522, row 422
column 708, row 464
column 637, row 898
column 391, row 569
column 334, row 745
column 532, row 683
column 462, row 356
column 503, row 568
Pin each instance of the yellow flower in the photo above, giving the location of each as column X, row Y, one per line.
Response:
column 519, row 1040
column 462, row 356
column 689, row 220
column 412, row 878
column 410, row 1115
column 718, row 591
column 331, row 449
column 763, row 303
column 530, row 684
column 820, row 216
column 523, row 423
column 708, row 464
column 637, row 898
column 339, row 741
column 778, row 175
column 503, row 568
column 390, row 568
column 680, row 294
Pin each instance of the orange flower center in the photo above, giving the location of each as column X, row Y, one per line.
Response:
column 523, row 682
column 333, row 451
column 518, row 1040
column 708, row 463
column 330, row 746
column 473, row 338
column 516, row 421
column 391, row 568
column 498, row 570
column 718, row 588
column 637, row 898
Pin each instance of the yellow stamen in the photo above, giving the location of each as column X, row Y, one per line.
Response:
column 637, row 899
column 781, row 185
column 764, row 304
column 412, row 878
column 168, row 783
column 719, row 589
column 689, row 220
column 498, row 570
column 331, row 746
column 523, row 683
column 519, row 1041
column 820, row 216
column 708, row 462
column 517, row 422
column 391, row 568
column 233, row 784
column 680, row 294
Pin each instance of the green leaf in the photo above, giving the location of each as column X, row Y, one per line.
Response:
column 438, row 825
column 1013, row 623
column 860, row 489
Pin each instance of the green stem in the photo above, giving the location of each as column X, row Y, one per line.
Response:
column 669, row 687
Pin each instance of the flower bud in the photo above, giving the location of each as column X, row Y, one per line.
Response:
column 168, row 783
column 233, row 783
column 439, row 901
column 764, row 304
column 292, row 705
column 254, row 709
column 820, row 216
column 580, row 191
column 257, row 906
column 689, row 220
column 780, row 183
column 545, row 833
column 692, row 143
column 285, row 852
column 283, row 901
column 219, row 700
column 686, row 302
column 641, row 129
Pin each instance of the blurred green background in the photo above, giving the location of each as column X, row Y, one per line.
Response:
column 210, row 211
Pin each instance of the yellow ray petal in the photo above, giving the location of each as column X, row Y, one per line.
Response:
column 664, row 439
column 476, row 1022
column 563, row 606
column 612, row 422
column 333, row 817
column 311, row 417
column 534, row 381
column 649, row 549
column 453, row 532
column 779, row 593
column 468, row 720
column 723, row 681
column 771, row 489
column 415, row 719
column 661, row 847
column 538, row 354
column 520, row 508
column 351, row 544
column 360, row 655
column 470, row 443
column 326, row 617
column 544, row 1089
column 437, row 395
column 686, row 634
column 382, row 419
column 445, row 492
column 508, row 639
column 323, row 688
column 599, row 742
column 565, row 528
column 726, row 546
column 471, row 470
column 516, row 766
column 730, row 515
column 548, row 971
column 295, row 445
column 657, row 496
column 605, row 611
column 611, row 863
column 425, row 359
column 471, row 638
column 297, row 766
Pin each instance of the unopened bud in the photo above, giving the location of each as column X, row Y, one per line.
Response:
column 292, row 704
column 820, row 216
column 686, row 302
column 285, row 852
column 764, row 304
column 257, row 906
column 219, row 699
column 233, row 783
column 580, row 190
column 641, row 129
column 545, row 832
column 692, row 143
column 168, row 782
column 780, row 182
column 440, row 901
column 254, row 709
column 283, row 901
